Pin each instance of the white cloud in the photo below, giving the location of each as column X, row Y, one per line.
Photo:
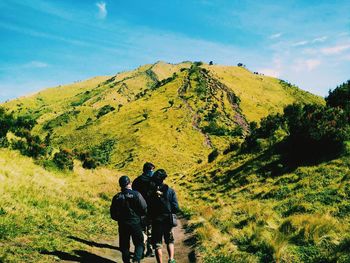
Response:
column 302, row 65
column 319, row 39
column 102, row 10
column 311, row 64
column 300, row 43
column 343, row 34
column 270, row 72
column 275, row 70
column 337, row 49
column 274, row 36
column 29, row 65
column 36, row 64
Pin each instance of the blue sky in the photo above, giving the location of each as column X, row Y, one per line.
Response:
column 52, row 42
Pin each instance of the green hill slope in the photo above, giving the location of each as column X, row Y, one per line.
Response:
column 242, row 205
column 173, row 114
column 42, row 212
column 253, row 208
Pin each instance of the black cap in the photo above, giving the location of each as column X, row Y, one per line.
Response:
column 159, row 176
column 148, row 167
column 124, row 181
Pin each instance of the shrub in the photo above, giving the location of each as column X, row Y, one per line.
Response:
column 269, row 125
column 56, row 122
column 6, row 122
column 164, row 82
column 340, row 97
column 198, row 63
column 105, row 110
column 98, row 155
column 314, row 129
column 24, row 122
column 311, row 130
column 28, row 144
column 145, row 114
column 213, row 155
column 232, row 147
column 88, row 161
column 64, row 159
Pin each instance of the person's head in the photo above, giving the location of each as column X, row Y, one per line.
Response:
column 148, row 168
column 124, row 181
column 159, row 176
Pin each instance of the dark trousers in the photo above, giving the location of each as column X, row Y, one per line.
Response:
column 135, row 231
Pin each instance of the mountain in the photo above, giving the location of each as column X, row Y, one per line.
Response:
column 172, row 114
column 193, row 119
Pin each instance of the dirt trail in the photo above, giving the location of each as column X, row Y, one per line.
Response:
column 106, row 251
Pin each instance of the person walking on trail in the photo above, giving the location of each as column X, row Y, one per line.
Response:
column 127, row 208
column 142, row 185
column 163, row 206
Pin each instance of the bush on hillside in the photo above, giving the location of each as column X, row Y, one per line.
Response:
column 269, row 125
column 198, row 63
column 102, row 152
column 164, row 82
column 98, row 155
column 213, row 155
column 267, row 130
column 310, row 130
column 24, row 122
column 340, row 97
column 82, row 98
column 28, row 144
column 104, row 110
column 56, row 122
column 234, row 146
column 314, row 129
column 89, row 163
column 6, row 122
column 64, row 159
column 87, row 160
column 215, row 129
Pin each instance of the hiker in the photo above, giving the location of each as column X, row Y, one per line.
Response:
column 142, row 185
column 163, row 207
column 127, row 208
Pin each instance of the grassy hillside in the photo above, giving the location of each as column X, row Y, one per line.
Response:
column 173, row 114
column 247, row 207
column 252, row 208
column 43, row 211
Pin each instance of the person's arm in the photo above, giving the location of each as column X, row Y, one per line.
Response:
column 173, row 202
column 113, row 209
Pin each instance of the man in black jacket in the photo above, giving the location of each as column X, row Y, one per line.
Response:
column 127, row 208
column 162, row 205
column 142, row 185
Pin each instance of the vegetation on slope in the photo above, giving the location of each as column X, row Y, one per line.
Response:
column 45, row 213
column 178, row 116
column 283, row 196
column 164, row 112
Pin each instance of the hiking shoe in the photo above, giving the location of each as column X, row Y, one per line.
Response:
column 171, row 261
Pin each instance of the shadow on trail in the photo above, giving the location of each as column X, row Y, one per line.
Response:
column 93, row 244
column 79, row 256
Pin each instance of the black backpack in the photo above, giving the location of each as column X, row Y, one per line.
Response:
column 119, row 206
column 161, row 199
